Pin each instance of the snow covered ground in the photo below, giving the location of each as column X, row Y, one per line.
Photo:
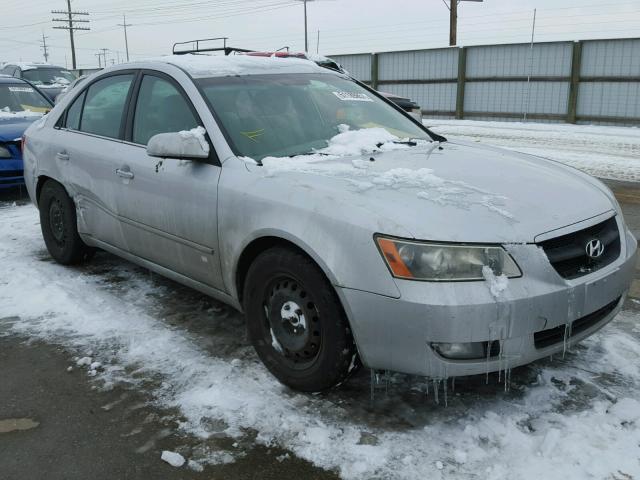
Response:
column 571, row 418
column 605, row 152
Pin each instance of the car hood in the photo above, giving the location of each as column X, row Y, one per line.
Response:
column 454, row 191
column 12, row 128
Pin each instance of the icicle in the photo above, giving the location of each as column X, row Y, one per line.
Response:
column 500, row 362
column 372, row 386
column 445, row 384
column 453, row 384
column 568, row 330
column 489, row 343
column 427, row 392
column 435, row 390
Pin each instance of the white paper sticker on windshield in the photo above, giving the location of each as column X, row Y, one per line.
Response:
column 352, row 97
column 21, row 89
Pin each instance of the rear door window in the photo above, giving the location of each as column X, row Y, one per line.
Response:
column 104, row 106
column 160, row 108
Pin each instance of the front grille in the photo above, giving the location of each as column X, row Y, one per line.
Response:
column 551, row 336
column 568, row 253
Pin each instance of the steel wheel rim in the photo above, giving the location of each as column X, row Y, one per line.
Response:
column 292, row 322
column 56, row 221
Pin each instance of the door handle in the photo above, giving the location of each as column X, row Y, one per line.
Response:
column 124, row 172
column 64, row 156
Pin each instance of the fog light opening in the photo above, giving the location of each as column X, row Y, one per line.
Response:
column 468, row 350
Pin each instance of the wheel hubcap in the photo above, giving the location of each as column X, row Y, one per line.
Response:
column 56, row 222
column 293, row 321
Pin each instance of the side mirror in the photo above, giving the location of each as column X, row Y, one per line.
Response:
column 188, row 145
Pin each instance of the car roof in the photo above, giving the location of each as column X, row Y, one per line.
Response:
column 204, row 66
column 10, row 80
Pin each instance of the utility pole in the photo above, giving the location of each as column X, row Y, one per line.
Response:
column 69, row 23
column 453, row 19
column 453, row 23
column 533, row 36
column 306, row 38
column 45, row 52
column 99, row 55
column 125, row 25
column 104, row 56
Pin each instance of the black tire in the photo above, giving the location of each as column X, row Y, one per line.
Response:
column 296, row 322
column 59, row 226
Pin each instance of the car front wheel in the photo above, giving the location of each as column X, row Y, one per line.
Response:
column 59, row 227
column 296, row 322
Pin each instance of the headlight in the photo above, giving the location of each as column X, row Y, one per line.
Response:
column 439, row 262
column 5, row 153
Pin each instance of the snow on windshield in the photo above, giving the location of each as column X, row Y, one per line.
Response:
column 362, row 175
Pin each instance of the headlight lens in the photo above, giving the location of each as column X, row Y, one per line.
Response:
column 5, row 153
column 439, row 262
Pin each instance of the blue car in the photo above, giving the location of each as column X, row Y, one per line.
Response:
column 21, row 104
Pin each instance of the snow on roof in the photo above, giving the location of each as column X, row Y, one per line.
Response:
column 200, row 66
column 32, row 65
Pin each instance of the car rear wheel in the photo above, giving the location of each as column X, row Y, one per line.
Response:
column 296, row 322
column 59, row 226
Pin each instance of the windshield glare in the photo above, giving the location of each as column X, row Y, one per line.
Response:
column 20, row 97
column 287, row 115
column 49, row 76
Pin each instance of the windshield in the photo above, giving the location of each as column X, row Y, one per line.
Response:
column 287, row 115
column 20, row 97
column 49, row 76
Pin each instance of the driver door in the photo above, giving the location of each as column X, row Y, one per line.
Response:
column 168, row 207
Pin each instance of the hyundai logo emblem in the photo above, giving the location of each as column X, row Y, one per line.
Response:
column 594, row 248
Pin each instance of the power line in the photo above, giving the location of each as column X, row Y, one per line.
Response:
column 71, row 21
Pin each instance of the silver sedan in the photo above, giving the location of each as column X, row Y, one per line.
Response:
column 346, row 231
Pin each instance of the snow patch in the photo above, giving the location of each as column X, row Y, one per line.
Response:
column 362, row 175
column 172, row 458
column 502, row 434
column 6, row 113
column 602, row 151
column 496, row 284
column 199, row 134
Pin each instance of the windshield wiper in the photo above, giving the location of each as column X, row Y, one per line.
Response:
column 411, row 143
column 307, row 154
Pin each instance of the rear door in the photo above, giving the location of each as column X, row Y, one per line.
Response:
column 89, row 146
column 168, row 207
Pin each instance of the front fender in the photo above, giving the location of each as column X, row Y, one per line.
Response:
column 338, row 236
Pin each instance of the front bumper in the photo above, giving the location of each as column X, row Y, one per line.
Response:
column 396, row 334
column 11, row 173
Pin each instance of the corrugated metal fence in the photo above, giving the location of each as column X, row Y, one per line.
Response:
column 590, row 81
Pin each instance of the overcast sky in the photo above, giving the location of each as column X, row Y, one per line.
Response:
column 346, row 26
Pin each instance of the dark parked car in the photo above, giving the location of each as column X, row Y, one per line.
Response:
column 48, row 78
column 20, row 105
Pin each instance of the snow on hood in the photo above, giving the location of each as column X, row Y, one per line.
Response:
column 450, row 191
column 200, row 66
column 362, row 174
